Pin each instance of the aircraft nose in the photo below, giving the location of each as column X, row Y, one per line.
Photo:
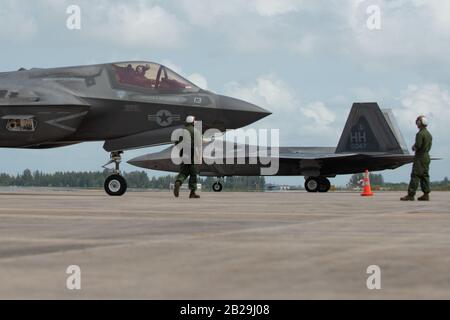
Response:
column 139, row 161
column 239, row 113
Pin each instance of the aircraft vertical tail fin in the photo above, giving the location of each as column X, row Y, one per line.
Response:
column 369, row 129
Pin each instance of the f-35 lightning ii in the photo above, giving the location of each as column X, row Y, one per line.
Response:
column 371, row 140
column 126, row 104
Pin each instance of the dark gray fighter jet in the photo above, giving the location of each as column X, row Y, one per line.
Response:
column 127, row 104
column 371, row 140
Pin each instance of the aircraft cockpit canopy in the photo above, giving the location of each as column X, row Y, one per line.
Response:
column 152, row 76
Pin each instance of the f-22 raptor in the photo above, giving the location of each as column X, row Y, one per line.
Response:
column 126, row 104
column 371, row 141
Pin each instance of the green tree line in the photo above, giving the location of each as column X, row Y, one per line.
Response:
column 238, row 183
column 94, row 179
column 135, row 179
column 377, row 180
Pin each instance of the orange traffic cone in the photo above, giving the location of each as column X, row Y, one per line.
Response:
column 367, row 190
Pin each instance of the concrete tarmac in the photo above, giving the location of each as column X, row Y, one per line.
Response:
column 149, row 245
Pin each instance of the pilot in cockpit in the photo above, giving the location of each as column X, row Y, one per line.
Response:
column 141, row 70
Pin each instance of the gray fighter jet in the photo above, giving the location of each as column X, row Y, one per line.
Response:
column 371, row 140
column 126, row 104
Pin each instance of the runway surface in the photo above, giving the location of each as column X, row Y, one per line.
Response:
column 149, row 245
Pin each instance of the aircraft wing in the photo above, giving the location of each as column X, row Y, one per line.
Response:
column 333, row 164
column 141, row 140
column 299, row 156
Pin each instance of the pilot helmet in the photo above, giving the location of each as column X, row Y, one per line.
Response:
column 422, row 121
column 190, row 119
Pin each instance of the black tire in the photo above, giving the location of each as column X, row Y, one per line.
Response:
column 217, row 187
column 312, row 184
column 325, row 185
column 115, row 185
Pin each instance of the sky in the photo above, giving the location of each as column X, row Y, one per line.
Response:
column 306, row 61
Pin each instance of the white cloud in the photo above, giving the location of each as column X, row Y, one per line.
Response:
column 137, row 25
column 311, row 122
column 16, row 24
column 268, row 91
column 245, row 26
column 438, row 12
column 198, row 80
column 322, row 117
column 206, row 12
column 276, row 7
column 432, row 100
column 410, row 30
column 169, row 64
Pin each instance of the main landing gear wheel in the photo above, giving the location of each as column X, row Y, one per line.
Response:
column 217, row 187
column 312, row 184
column 325, row 185
column 317, row 184
column 115, row 185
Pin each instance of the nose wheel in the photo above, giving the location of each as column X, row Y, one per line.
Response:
column 317, row 184
column 115, row 184
column 217, row 186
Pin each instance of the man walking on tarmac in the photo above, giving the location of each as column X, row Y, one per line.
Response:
column 421, row 166
column 189, row 168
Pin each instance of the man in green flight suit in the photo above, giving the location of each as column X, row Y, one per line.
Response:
column 190, row 168
column 421, row 166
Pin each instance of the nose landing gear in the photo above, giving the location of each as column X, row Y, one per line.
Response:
column 115, row 184
column 317, row 184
